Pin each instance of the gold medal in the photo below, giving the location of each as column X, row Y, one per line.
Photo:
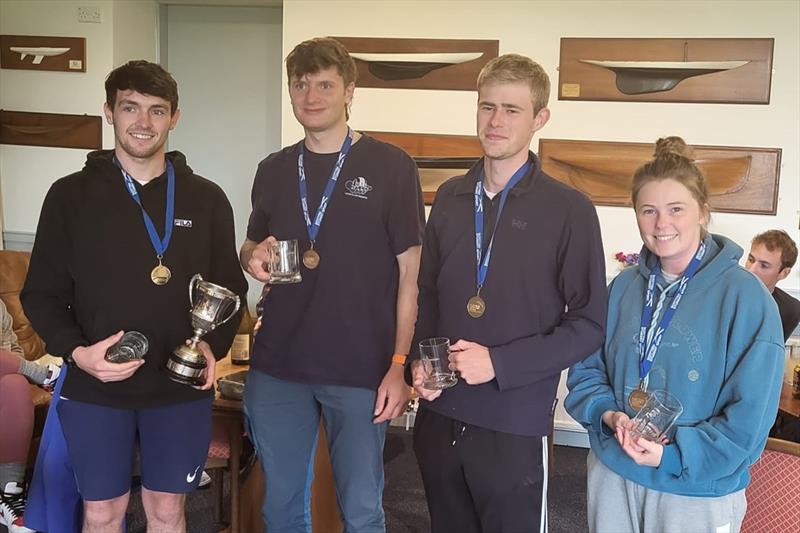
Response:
column 160, row 275
column 476, row 306
column 311, row 259
column 637, row 399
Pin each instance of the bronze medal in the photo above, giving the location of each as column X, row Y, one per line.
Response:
column 160, row 275
column 311, row 259
column 637, row 399
column 476, row 307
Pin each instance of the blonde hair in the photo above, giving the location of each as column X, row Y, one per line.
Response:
column 511, row 68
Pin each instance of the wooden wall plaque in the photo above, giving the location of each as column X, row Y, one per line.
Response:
column 51, row 129
column 388, row 63
column 438, row 157
column 31, row 52
column 740, row 180
column 734, row 71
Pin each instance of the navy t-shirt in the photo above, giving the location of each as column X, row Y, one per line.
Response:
column 337, row 326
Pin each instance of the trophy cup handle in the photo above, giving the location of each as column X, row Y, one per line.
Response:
column 235, row 310
column 192, row 282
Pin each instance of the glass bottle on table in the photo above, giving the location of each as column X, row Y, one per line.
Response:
column 243, row 341
column 796, row 382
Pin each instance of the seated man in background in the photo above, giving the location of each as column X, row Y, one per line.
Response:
column 771, row 258
column 16, row 413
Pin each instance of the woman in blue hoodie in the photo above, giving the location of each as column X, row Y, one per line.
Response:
column 710, row 335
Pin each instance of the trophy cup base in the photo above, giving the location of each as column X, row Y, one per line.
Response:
column 186, row 365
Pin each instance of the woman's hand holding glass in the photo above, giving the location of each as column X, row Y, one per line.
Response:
column 642, row 451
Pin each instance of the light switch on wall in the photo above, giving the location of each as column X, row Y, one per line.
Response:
column 89, row 14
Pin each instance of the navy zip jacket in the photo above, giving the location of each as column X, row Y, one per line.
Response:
column 545, row 295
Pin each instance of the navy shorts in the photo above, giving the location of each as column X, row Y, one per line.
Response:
column 102, row 443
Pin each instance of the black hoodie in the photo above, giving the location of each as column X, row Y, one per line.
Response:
column 89, row 275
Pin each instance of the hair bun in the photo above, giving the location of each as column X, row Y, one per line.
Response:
column 673, row 146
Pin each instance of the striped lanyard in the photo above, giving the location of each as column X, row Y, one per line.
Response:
column 647, row 353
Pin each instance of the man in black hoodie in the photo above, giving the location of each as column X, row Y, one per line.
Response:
column 116, row 246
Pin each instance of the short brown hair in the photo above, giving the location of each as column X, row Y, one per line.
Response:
column 143, row 77
column 511, row 68
column 673, row 159
column 776, row 239
column 320, row 53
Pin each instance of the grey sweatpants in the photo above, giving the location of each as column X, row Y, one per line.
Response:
column 616, row 505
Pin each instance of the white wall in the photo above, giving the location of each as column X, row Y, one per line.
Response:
column 534, row 28
column 26, row 172
column 227, row 62
column 135, row 30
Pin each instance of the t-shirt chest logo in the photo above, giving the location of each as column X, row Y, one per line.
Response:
column 357, row 187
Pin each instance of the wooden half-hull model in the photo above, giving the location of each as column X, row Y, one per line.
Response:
column 411, row 66
column 438, row 64
column 640, row 77
column 698, row 70
column 38, row 52
column 608, row 178
column 51, row 129
column 739, row 179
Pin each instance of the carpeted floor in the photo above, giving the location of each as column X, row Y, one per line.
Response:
column 404, row 498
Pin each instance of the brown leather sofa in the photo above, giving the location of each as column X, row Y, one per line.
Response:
column 13, row 269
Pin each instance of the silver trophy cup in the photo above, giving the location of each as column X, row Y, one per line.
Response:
column 211, row 306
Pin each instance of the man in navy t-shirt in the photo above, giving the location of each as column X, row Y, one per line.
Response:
column 335, row 343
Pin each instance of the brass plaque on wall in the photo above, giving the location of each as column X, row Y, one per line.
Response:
column 389, row 63
column 31, row 52
column 51, row 129
column 740, row 180
column 734, row 71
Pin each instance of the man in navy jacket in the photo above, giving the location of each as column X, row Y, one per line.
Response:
column 513, row 274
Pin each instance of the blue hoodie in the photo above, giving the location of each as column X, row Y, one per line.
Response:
column 722, row 357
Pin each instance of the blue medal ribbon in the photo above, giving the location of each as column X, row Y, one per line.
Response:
column 313, row 227
column 483, row 266
column 647, row 353
column 160, row 245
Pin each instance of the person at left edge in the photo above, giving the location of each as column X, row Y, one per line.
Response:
column 102, row 233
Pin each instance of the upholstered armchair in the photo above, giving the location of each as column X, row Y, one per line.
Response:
column 13, row 269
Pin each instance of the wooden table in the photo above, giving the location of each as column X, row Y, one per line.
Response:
column 324, row 509
column 788, row 405
column 787, row 423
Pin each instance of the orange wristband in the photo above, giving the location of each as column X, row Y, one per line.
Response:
column 399, row 359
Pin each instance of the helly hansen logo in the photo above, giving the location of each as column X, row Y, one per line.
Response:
column 183, row 223
column 519, row 224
